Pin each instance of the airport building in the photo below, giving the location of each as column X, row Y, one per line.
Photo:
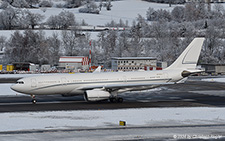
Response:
column 214, row 68
column 73, row 62
column 136, row 63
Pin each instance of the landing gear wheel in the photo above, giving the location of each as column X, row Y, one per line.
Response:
column 34, row 101
column 116, row 100
column 120, row 100
column 112, row 100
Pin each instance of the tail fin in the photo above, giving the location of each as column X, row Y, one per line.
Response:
column 189, row 57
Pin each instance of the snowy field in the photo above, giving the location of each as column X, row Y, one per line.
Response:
column 110, row 118
column 125, row 10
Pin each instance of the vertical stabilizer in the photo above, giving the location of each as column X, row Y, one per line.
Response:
column 189, row 57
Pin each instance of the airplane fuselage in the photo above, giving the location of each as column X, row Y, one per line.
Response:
column 78, row 83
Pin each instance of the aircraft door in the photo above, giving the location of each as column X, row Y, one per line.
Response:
column 33, row 83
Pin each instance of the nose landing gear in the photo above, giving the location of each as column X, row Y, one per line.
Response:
column 33, row 99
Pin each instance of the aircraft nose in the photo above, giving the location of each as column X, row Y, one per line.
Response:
column 16, row 88
column 13, row 87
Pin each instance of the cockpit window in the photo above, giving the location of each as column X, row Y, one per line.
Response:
column 20, row 82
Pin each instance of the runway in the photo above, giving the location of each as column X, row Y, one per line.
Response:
column 193, row 93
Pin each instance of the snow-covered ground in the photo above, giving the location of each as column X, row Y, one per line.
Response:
column 125, row 10
column 111, row 118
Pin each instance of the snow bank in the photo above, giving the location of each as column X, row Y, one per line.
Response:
column 111, row 118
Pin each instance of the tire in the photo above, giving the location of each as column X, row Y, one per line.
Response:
column 112, row 100
column 120, row 100
column 34, row 101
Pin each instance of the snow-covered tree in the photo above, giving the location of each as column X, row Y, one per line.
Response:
column 61, row 21
column 74, row 3
column 30, row 46
column 4, row 5
column 151, row 14
column 32, row 2
column 90, row 7
column 45, row 3
column 66, row 19
column 123, row 45
column 54, row 44
column 178, row 13
column 20, row 4
column 69, row 41
column 3, row 41
column 8, row 18
column 52, row 22
column 34, row 19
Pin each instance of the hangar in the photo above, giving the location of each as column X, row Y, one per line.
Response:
column 73, row 62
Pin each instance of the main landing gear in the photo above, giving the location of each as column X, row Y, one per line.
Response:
column 33, row 99
column 116, row 99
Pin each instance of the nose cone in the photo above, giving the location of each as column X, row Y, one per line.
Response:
column 14, row 87
column 18, row 88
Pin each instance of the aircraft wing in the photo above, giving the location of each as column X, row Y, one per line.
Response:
column 122, row 86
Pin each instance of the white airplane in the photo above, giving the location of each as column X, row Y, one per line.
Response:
column 103, row 86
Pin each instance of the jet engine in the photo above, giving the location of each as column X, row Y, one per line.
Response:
column 96, row 95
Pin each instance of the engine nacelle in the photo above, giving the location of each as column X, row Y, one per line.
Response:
column 96, row 95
